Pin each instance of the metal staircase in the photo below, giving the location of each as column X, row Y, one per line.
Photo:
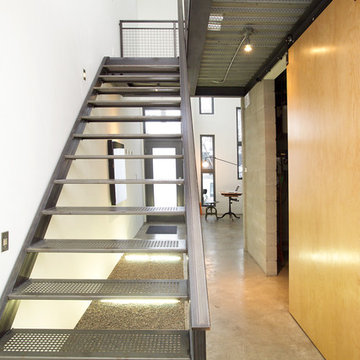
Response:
column 130, row 78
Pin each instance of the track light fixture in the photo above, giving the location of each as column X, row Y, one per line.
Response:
column 248, row 47
column 245, row 39
column 247, row 31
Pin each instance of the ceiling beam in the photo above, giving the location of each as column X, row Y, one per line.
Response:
column 219, row 91
column 198, row 23
column 297, row 30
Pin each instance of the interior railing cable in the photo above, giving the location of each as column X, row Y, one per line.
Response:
column 199, row 316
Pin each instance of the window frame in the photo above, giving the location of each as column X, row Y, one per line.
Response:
column 207, row 171
column 212, row 105
column 239, row 143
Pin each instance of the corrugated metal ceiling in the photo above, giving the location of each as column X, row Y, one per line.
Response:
column 271, row 20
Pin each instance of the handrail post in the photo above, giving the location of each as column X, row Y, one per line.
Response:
column 121, row 39
column 174, row 27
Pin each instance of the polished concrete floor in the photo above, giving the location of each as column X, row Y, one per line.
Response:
column 249, row 311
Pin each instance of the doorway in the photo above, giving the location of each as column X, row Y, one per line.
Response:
column 163, row 195
column 282, row 193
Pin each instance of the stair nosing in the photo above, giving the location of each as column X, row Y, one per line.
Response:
column 92, row 210
column 124, row 157
column 156, row 68
column 130, row 118
column 118, row 181
column 126, row 136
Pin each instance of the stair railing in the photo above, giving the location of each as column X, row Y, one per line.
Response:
column 199, row 309
column 148, row 38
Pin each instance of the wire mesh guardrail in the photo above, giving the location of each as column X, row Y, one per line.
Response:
column 149, row 38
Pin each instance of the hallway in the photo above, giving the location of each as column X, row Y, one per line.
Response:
column 249, row 311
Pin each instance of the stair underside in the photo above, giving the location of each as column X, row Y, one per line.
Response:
column 89, row 344
column 108, row 246
column 126, row 136
column 145, row 210
column 140, row 78
column 142, row 90
column 142, row 68
column 119, row 181
column 111, row 103
column 130, row 118
column 125, row 157
column 54, row 289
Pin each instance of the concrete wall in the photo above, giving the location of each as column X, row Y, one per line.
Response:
column 260, row 176
column 222, row 124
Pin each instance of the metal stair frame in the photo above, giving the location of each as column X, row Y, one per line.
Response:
column 199, row 307
column 25, row 261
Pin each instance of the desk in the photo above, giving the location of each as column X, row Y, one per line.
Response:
column 232, row 196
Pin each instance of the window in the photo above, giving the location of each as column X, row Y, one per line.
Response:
column 239, row 143
column 207, row 158
column 206, row 105
column 162, row 127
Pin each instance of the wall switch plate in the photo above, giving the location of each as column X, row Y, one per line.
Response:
column 4, row 241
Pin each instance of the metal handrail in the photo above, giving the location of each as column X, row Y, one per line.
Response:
column 199, row 313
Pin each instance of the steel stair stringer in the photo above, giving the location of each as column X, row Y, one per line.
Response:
column 25, row 261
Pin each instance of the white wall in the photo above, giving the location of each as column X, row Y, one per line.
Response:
column 157, row 9
column 222, row 124
column 44, row 47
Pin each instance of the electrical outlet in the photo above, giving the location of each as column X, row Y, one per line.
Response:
column 4, row 241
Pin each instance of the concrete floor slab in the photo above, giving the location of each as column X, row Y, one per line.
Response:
column 249, row 311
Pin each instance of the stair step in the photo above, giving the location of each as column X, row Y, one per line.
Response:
column 107, row 246
column 113, row 210
column 126, row 136
column 154, row 103
column 59, row 289
column 125, row 157
column 94, row 344
column 119, row 181
column 140, row 78
column 129, row 118
column 142, row 68
column 173, row 90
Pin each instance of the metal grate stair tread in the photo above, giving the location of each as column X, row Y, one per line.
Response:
column 142, row 103
column 130, row 118
column 107, row 246
column 126, row 136
column 56, row 289
column 95, row 344
column 113, row 210
column 119, row 181
column 125, row 157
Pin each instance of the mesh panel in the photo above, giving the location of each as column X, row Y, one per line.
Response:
column 150, row 41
